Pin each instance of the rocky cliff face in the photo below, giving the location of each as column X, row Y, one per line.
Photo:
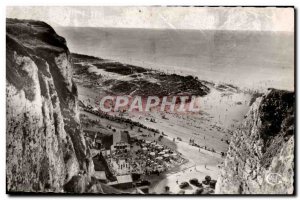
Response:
column 260, row 159
column 45, row 145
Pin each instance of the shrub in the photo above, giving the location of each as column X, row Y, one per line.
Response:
column 207, row 178
column 212, row 184
column 199, row 191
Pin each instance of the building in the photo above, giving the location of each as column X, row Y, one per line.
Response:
column 98, row 144
column 133, row 136
column 102, row 171
column 100, row 175
column 120, row 142
column 122, row 182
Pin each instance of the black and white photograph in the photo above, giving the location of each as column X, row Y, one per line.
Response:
column 150, row 100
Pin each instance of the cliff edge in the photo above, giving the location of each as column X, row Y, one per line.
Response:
column 260, row 159
column 45, row 147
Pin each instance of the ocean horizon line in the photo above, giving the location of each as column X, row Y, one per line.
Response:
column 165, row 29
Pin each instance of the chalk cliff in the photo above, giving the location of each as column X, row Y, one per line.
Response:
column 260, row 159
column 46, row 150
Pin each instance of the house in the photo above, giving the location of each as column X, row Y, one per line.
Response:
column 120, row 142
column 133, row 136
column 105, row 153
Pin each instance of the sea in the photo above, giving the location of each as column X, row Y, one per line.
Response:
column 254, row 60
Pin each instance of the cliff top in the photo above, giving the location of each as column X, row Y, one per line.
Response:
column 35, row 34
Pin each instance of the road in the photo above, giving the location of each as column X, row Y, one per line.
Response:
column 199, row 165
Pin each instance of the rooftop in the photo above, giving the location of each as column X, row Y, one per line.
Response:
column 100, row 175
column 120, row 137
column 124, row 179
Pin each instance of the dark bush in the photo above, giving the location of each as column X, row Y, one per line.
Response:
column 199, row 191
column 212, row 184
column 184, row 185
column 195, row 182
column 208, row 178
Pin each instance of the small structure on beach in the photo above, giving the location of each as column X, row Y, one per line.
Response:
column 144, row 149
column 152, row 153
column 159, row 158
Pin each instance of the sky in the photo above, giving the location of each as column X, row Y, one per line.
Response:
column 199, row 18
